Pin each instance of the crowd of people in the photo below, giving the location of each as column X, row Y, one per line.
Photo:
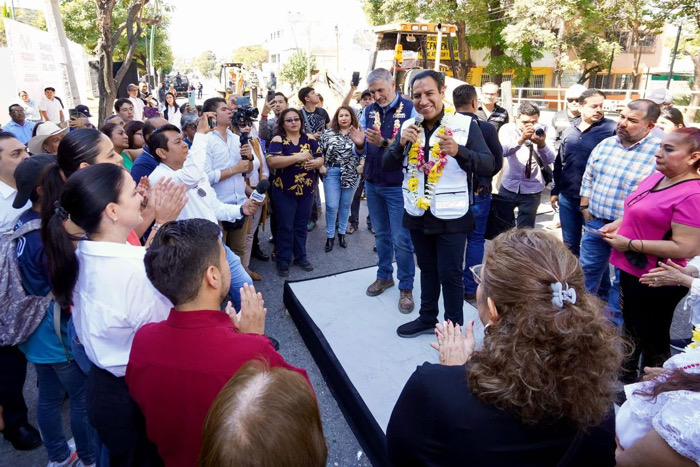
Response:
column 141, row 235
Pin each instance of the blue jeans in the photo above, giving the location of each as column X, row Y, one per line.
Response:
column 475, row 240
column 571, row 222
column 595, row 262
column 55, row 380
column 385, row 204
column 337, row 199
column 293, row 214
column 238, row 277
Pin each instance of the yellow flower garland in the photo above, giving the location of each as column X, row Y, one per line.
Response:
column 424, row 202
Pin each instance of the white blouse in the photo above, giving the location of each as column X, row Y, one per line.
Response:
column 112, row 299
column 675, row 415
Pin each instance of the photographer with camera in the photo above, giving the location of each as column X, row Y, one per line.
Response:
column 226, row 164
column 242, row 124
column 527, row 148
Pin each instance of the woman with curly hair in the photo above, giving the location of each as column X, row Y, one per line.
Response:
column 540, row 391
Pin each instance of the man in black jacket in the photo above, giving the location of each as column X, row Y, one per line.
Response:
column 465, row 101
column 436, row 207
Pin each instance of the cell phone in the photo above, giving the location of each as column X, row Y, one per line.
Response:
column 270, row 95
column 593, row 231
column 190, row 95
column 355, row 81
column 243, row 101
column 73, row 113
column 212, row 122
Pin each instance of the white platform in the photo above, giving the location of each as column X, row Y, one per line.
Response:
column 361, row 331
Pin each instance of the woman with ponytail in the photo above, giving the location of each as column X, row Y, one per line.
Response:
column 103, row 281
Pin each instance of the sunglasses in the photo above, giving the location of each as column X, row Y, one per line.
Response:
column 476, row 272
column 292, row 120
column 571, row 100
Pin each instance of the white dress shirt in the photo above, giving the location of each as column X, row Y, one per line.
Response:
column 8, row 214
column 202, row 201
column 112, row 299
column 138, row 108
column 222, row 155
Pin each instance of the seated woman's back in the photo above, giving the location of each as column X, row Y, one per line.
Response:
column 540, row 390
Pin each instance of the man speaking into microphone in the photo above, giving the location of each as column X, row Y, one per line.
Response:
column 440, row 157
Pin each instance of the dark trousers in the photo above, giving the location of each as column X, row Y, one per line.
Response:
column 13, row 371
column 439, row 257
column 527, row 204
column 293, row 213
column 647, row 313
column 354, row 219
column 118, row 421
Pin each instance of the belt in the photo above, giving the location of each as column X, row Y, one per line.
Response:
column 605, row 221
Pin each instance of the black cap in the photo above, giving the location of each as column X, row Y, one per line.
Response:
column 83, row 109
column 50, row 89
column 365, row 93
column 28, row 175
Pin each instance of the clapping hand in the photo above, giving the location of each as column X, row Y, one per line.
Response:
column 357, row 135
column 667, row 274
column 453, row 347
column 251, row 319
column 168, row 200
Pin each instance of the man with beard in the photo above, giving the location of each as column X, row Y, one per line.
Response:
column 613, row 171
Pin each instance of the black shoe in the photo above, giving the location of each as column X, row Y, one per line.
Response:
column 282, row 270
column 470, row 297
column 680, row 344
column 369, row 227
column 415, row 328
column 304, row 265
column 329, row 244
column 375, row 248
column 274, row 342
column 23, row 438
column 260, row 255
column 341, row 241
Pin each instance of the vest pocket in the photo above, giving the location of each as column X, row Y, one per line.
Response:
column 450, row 204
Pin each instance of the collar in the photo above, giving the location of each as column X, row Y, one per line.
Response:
column 496, row 108
column 437, row 122
column 13, row 123
column 111, row 250
column 639, row 143
column 229, row 134
column 6, row 190
column 199, row 319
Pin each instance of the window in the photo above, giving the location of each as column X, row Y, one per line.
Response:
column 599, row 82
column 507, row 77
column 622, row 81
column 485, row 78
column 537, row 82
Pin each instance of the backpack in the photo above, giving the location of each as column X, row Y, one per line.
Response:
column 20, row 314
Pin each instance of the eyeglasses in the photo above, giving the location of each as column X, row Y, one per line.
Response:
column 489, row 93
column 570, row 101
column 476, row 272
column 17, row 111
column 292, row 120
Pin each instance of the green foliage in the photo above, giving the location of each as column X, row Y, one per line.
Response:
column 206, row 63
column 23, row 15
column 294, row 70
column 80, row 18
column 251, row 55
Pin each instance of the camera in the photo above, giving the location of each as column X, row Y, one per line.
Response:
column 244, row 114
column 540, row 130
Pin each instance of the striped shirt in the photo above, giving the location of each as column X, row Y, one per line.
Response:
column 613, row 172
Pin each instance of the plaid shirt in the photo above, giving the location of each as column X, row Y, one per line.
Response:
column 613, row 172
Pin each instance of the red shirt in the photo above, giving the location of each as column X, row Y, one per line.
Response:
column 176, row 369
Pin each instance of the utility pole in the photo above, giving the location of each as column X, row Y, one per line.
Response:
column 54, row 23
column 673, row 57
column 337, row 51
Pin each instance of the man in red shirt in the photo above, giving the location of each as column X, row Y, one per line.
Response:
column 178, row 366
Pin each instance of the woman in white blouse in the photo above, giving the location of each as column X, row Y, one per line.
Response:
column 103, row 282
column 171, row 111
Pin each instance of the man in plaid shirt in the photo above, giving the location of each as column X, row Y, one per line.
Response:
column 614, row 170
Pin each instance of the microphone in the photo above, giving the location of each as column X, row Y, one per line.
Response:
column 418, row 120
column 260, row 190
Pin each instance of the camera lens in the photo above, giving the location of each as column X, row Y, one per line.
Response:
column 539, row 132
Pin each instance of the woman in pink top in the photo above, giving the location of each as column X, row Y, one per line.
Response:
column 661, row 220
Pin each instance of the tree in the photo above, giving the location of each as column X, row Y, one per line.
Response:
column 251, row 55
column 206, row 63
column 294, row 70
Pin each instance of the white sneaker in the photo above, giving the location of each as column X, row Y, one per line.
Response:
column 70, row 461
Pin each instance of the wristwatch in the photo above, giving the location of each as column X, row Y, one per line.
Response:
column 385, row 143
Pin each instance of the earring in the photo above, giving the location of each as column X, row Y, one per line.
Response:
column 115, row 220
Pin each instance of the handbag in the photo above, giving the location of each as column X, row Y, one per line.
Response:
column 501, row 217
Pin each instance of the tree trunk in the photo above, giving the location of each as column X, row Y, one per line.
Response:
column 105, row 82
column 496, row 51
column 463, row 50
column 691, row 114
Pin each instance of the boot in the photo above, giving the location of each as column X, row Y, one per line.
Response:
column 341, row 241
column 329, row 244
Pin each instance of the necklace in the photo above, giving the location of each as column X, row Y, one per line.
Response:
column 433, row 168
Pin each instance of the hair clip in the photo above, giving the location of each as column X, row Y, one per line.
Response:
column 561, row 294
column 60, row 212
